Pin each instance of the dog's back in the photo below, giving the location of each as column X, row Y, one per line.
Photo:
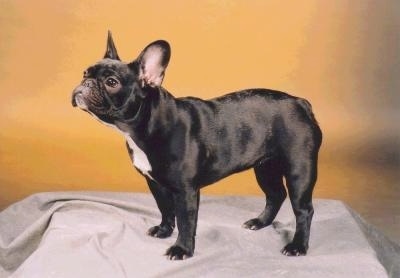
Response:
column 236, row 131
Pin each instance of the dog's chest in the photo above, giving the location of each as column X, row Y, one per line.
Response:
column 139, row 157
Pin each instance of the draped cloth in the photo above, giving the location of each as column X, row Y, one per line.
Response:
column 103, row 234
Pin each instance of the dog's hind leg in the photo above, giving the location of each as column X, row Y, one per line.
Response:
column 301, row 179
column 269, row 176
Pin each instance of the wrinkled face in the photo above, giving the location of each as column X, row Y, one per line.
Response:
column 105, row 88
column 113, row 90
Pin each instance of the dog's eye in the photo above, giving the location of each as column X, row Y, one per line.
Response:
column 112, row 82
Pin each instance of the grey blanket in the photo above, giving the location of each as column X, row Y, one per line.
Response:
column 87, row 234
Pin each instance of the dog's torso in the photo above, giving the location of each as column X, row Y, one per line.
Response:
column 206, row 140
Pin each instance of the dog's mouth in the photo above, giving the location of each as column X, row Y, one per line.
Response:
column 78, row 101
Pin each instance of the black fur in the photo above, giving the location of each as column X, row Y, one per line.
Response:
column 191, row 143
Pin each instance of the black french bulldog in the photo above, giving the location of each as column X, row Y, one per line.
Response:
column 183, row 144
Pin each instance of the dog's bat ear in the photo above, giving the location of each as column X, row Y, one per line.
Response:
column 111, row 51
column 152, row 62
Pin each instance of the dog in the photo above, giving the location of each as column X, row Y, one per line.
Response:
column 183, row 144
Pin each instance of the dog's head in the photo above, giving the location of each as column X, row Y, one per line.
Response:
column 113, row 90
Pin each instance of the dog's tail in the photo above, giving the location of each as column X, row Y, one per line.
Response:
column 307, row 108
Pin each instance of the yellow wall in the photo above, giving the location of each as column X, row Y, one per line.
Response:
column 341, row 55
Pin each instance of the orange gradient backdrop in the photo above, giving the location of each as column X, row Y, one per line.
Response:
column 343, row 56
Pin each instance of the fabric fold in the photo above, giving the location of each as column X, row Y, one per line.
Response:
column 103, row 234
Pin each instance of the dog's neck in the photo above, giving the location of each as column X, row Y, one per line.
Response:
column 157, row 107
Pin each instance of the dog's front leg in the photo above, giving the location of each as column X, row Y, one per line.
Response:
column 186, row 201
column 165, row 204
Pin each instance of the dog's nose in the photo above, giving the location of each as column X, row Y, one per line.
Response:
column 78, row 100
column 76, row 92
column 73, row 101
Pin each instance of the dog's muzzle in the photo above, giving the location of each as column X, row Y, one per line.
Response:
column 79, row 101
column 77, row 95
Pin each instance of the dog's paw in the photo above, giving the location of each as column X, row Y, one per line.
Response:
column 176, row 252
column 294, row 249
column 254, row 224
column 160, row 231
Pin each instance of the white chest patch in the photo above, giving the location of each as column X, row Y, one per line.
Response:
column 139, row 158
